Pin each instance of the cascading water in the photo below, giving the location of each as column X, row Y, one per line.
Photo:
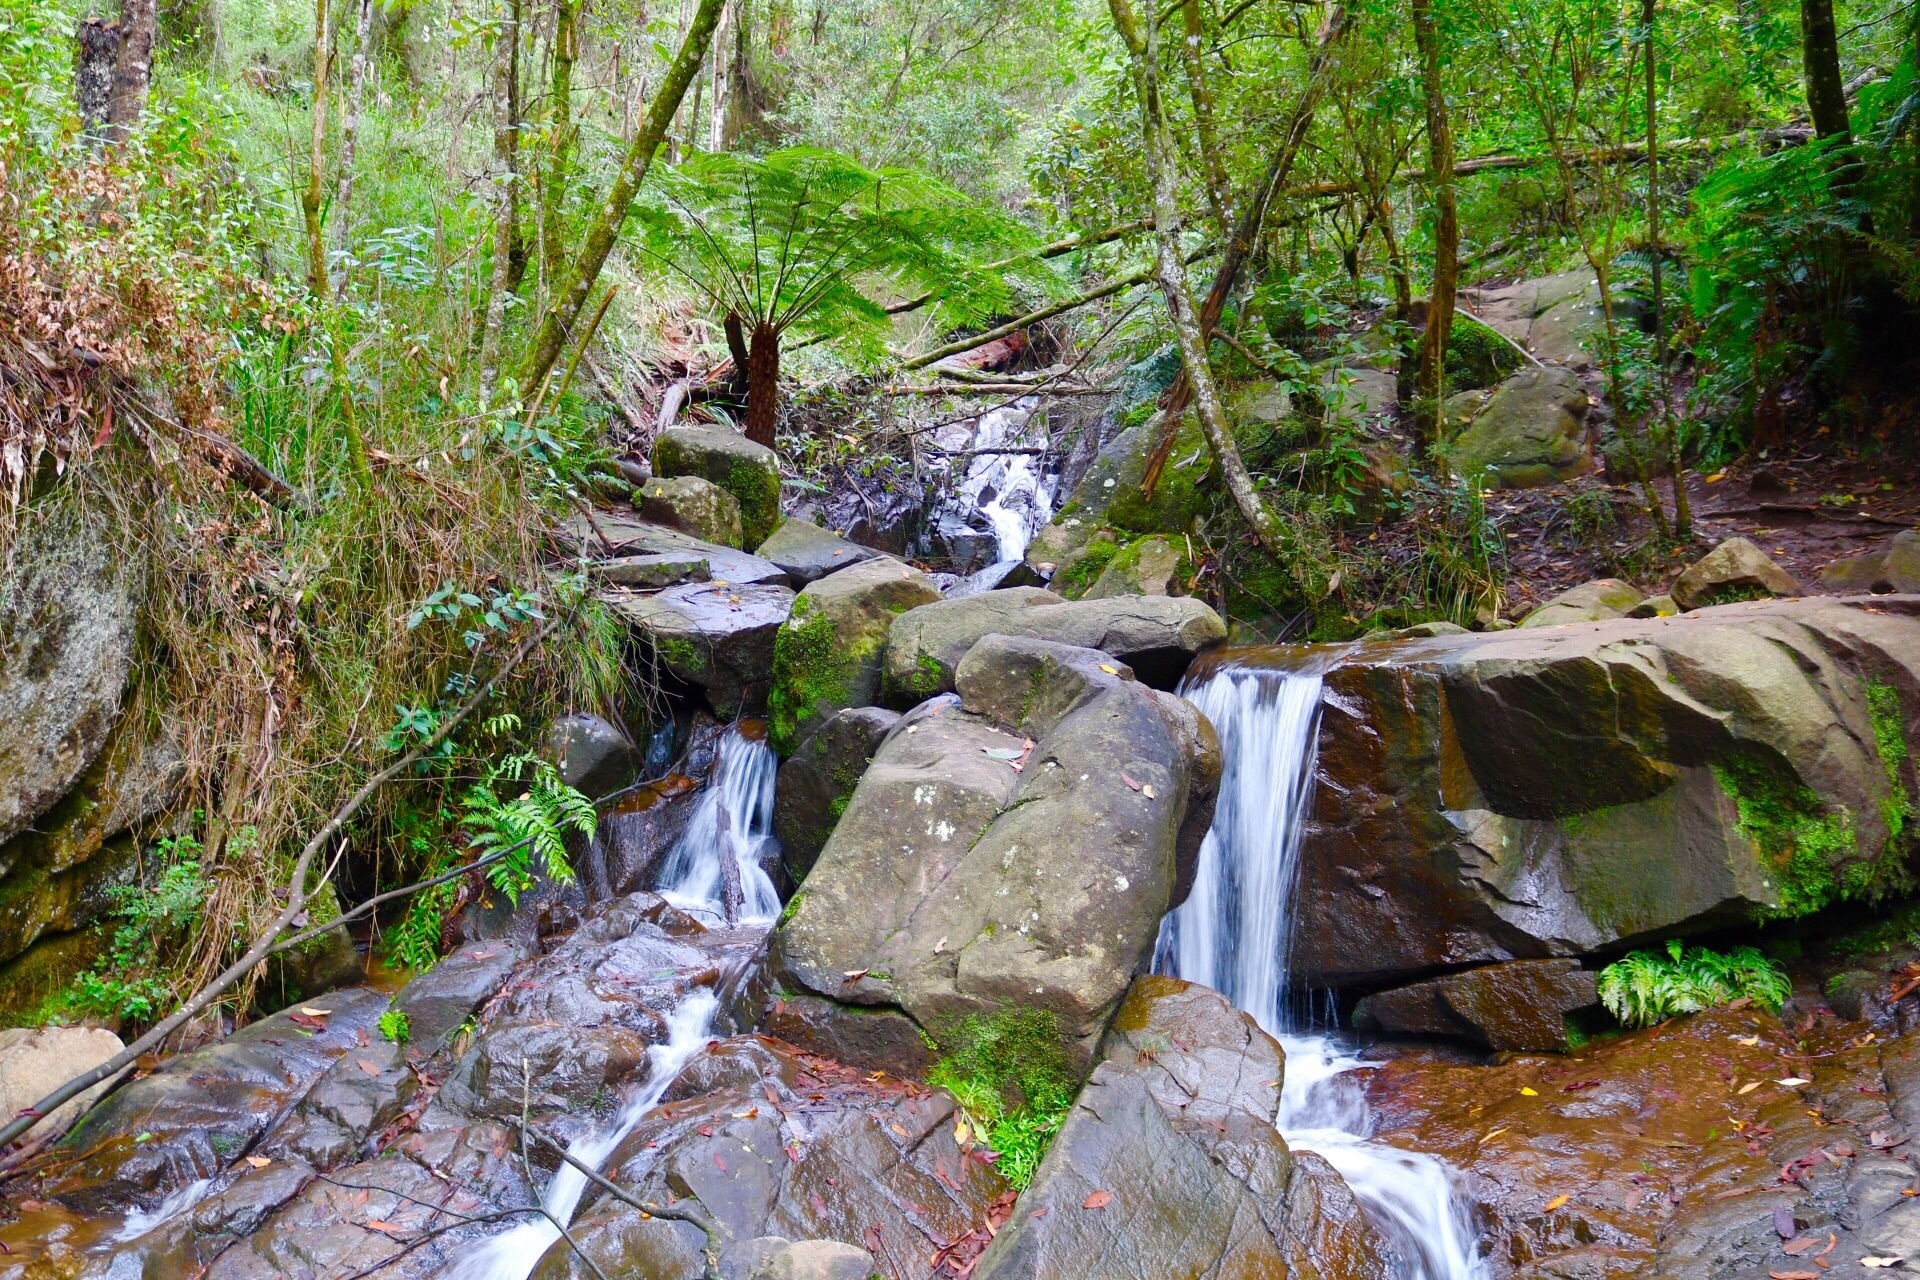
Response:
column 718, row 868
column 1011, row 490
column 1232, row 934
column 513, row 1254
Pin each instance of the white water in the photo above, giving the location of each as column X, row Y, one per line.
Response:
column 513, row 1254
column 1233, row 932
column 729, row 840
column 140, row 1221
column 1019, row 493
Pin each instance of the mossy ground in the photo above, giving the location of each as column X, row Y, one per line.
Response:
column 1010, row 1073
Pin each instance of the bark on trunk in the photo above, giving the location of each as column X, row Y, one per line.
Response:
column 737, row 348
column 316, row 152
column 1670, row 427
column 1193, row 55
column 1431, row 384
column 350, row 126
column 763, row 384
column 133, row 71
column 717, row 123
column 1170, row 270
column 96, row 50
column 500, row 284
column 1820, row 52
column 559, row 318
column 553, row 191
column 1246, row 233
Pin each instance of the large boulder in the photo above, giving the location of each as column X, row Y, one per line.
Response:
column 748, row 471
column 34, row 1061
column 592, row 753
column 1558, row 317
column 1110, row 493
column 1594, row 601
column 616, row 541
column 1894, row 567
column 1151, row 566
column 1531, row 430
column 1156, row 635
column 1735, row 570
column 1170, row 1164
column 69, row 596
column 1014, row 848
column 827, row 655
column 808, row 553
column 816, row 783
column 692, row 505
column 716, row 635
column 1520, row 1005
column 1569, row 791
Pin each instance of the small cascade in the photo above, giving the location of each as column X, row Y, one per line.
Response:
column 140, row 1221
column 1232, row 934
column 1012, row 492
column 718, row 868
column 513, row 1254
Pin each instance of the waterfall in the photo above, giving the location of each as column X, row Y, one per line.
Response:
column 1011, row 490
column 1232, row 934
column 513, row 1254
column 718, row 867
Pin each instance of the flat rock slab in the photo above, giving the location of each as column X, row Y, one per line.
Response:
column 613, row 536
column 441, row 1000
column 717, row 635
column 808, row 553
column 662, row 569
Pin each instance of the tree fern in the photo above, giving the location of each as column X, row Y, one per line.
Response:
column 1644, row 988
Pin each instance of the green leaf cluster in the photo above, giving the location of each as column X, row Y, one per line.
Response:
column 1645, row 987
column 1010, row 1076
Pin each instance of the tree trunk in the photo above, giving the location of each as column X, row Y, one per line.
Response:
column 553, row 192
column 1170, row 270
column 559, row 318
column 500, row 284
column 133, row 71
column 96, row 50
column 737, row 348
column 317, row 152
column 1431, row 384
column 717, row 123
column 516, row 124
column 763, row 384
column 1246, row 232
column 1820, row 53
column 1670, row 426
column 1193, row 54
column 350, row 126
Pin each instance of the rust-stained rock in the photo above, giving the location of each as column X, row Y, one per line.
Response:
column 1518, row 1005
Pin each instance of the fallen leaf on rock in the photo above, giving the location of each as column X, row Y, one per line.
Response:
column 1110, row 669
column 258, row 1162
column 1131, row 784
column 1749, row 1041
column 1147, row 791
column 316, row 1013
column 1558, row 1202
column 1041, row 1212
column 1783, row 1222
column 1869, row 1262
column 706, row 1131
column 380, row 1224
column 370, row 1068
column 1794, row 1275
column 1097, row 1200
column 1800, row 1246
column 1528, row 1091
column 1750, row 1086
column 1491, row 1136
column 1793, row 1082
column 748, row 1114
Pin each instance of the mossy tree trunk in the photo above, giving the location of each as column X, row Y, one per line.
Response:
column 1430, row 386
column 133, row 69
column 763, row 384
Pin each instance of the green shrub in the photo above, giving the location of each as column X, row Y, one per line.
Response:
column 1013, row 1082
column 153, row 919
column 1645, row 988
column 396, row 1026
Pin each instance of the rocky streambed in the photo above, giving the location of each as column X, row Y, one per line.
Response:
column 1012, row 842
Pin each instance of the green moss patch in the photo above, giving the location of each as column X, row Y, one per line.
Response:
column 1811, row 854
column 1477, row 356
column 1011, row 1076
column 809, row 675
column 757, row 490
column 1078, row 577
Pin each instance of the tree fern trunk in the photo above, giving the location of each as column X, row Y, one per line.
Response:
column 763, row 384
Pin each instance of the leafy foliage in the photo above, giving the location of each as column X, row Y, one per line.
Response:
column 1645, row 987
column 152, row 919
column 395, row 1026
column 529, row 829
column 1012, row 1080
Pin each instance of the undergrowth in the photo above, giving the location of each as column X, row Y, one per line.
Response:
column 1013, row 1083
column 1646, row 987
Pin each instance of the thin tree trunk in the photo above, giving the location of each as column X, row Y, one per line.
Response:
column 558, row 319
column 317, row 153
column 717, row 123
column 737, row 348
column 500, row 284
column 1193, row 54
column 553, row 192
column 517, row 119
column 1670, row 426
column 763, row 384
column 350, row 125
column 1431, row 384
column 1170, row 270
column 1820, row 52
column 133, row 70
column 1246, row 232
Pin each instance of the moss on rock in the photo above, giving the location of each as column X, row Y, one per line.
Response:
column 808, row 674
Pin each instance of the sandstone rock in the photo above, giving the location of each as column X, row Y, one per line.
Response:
column 438, row 1002
column 1654, row 607
column 692, row 505
column 827, row 655
column 200, row 1112
column 1157, row 636
column 956, row 886
column 69, row 595
column 1146, row 567
column 1589, row 602
column 808, row 553
column 1529, row 431
column 818, row 780
column 996, row 577
column 1558, row 318
column 622, row 538
column 592, row 754
column 716, row 635
column 634, row 834
column 748, row 471
column 34, row 1061
column 1110, row 493
column 1056, row 547
column 1519, row 1005
column 1734, row 570
column 779, row 1144
column 816, row 1260
column 663, row 569
column 1170, row 1164
column 1569, row 791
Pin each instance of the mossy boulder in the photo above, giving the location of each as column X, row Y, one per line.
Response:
column 692, row 505
column 748, row 471
column 1529, row 431
column 1110, row 494
column 827, row 655
column 1477, row 356
column 1153, row 566
column 1733, row 571
column 717, row 636
column 816, row 783
column 1589, row 602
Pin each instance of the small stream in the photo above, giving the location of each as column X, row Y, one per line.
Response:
column 1232, row 934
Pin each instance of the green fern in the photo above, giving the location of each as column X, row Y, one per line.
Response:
column 529, row 830
column 1644, row 988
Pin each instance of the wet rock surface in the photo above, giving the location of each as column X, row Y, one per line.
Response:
column 808, row 553
column 717, row 635
column 818, row 781
column 1170, row 1164
column 614, row 537
column 1519, row 1005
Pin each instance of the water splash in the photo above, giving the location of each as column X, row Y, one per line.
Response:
column 1233, row 933
column 140, row 1221
column 1011, row 490
column 718, row 868
column 513, row 1254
